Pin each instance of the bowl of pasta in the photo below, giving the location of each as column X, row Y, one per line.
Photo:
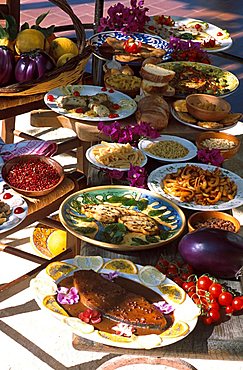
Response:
column 207, row 107
column 115, row 156
column 228, row 144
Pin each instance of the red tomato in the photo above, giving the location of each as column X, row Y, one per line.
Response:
column 111, row 91
column 214, row 314
column 18, row 210
column 225, row 299
column 189, row 286
column 215, row 289
column 7, row 196
column 113, row 115
column 50, row 98
column 104, row 89
column 229, row 310
column 79, row 110
column 116, row 106
column 237, row 304
column 204, row 282
column 207, row 320
column 178, row 281
column 76, row 93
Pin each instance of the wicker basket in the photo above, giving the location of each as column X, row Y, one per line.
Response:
column 69, row 73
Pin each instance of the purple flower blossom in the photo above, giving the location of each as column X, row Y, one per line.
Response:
column 137, row 176
column 210, row 156
column 111, row 276
column 67, row 296
column 115, row 174
column 188, row 50
column 164, row 307
column 125, row 19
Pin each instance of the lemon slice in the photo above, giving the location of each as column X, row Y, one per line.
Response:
column 122, row 265
column 51, row 303
column 117, row 338
column 58, row 269
column 149, row 341
column 78, row 325
column 187, row 315
column 174, row 293
column 89, row 263
column 150, row 275
column 178, row 329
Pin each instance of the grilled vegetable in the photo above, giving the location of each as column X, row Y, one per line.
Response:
column 218, row 252
column 6, row 65
column 33, row 65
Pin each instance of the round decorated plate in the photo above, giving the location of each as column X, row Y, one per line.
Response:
column 193, row 77
column 157, row 176
column 189, row 151
column 124, row 106
column 99, row 39
column 122, row 217
column 179, row 116
column 13, row 210
column 90, row 155
column 174, row 325
column 211, row 37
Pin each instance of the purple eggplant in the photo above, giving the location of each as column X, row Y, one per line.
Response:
column 7, row 63
column 33, row 65
column 214, row 251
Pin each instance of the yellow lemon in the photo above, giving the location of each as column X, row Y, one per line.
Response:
column 58, row 269
column 28, row 40
column 174, row 293
column 64, row 58
column 89, row 262
column 51, row 303
column 116, row 338
column 56, row 242
column 122, row 265
column 61, row 46
column 178, row 329
column 150, row 275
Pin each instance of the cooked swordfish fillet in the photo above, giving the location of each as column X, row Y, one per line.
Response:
column 136, row 223
column 70, row 102
column 116, row 302
column 101, row 212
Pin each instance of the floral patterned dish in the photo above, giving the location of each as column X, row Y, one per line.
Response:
column 169, row 219
column 156, row 176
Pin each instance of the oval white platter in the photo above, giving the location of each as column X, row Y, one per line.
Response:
column 192, row 149
column 43, row 285
column 155, row 178
column 92, row 159
column 128, row 105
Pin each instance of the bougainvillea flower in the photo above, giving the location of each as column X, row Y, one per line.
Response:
column 67, row 296
column 164, row 307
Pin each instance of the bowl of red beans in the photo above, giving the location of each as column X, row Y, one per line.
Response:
column 32, row 175
column 214, row 220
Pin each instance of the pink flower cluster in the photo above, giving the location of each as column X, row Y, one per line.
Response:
column 210, row 156
column 188, row 50
column 126, row 19
column 67, row 296
column 136, row 176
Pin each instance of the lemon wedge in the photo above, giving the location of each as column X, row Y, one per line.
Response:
column 78, row 325
column 89, row 262
column 178, row 329
column 56, row 242
column 117, row 338
column 173, row 293
column 148, row 341
column 122, row 265
column 150, row 275
column 58, row 269
column 51, row 303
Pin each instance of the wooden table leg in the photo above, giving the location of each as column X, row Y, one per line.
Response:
column 82, row 162
column 8, row 126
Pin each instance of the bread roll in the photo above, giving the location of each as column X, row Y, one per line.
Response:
column 154, row 110
column 156, row 73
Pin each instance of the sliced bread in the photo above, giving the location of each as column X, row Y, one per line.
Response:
column 156, row 73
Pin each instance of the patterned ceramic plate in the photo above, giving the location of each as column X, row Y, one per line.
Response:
column 157, row 42
column 185, row 313
column 193, row 77
column 18, row 207
column 191, row 148
column 165, row 218
column 127, row 105
column 155, row 178
column 190, row 28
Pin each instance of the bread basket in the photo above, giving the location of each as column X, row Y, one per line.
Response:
column 69, row 73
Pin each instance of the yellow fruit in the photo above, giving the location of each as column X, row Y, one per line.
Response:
column 89, row 263
column 7, row 42
column 178, row 329
column 64, row 58
column 51, row 303
column 56, row 242
column 149, row 275
column 173, row 292
column 58, row 269
column 28, row 40
column 62, row 45
column 116, row 338
column 122, row 265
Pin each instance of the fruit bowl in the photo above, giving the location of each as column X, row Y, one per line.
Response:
column 206, row 218
column 228, row 144
column 207, row 107
column 32, row 175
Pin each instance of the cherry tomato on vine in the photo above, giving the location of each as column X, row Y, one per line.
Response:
column 225, row 299
column 207, row 320
column 189, row 286
column 214, row 314
column 213, row 305
column 204, row 282
column 237, row 304
column 229, row 310
column 178, row 281
column 215, row 289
